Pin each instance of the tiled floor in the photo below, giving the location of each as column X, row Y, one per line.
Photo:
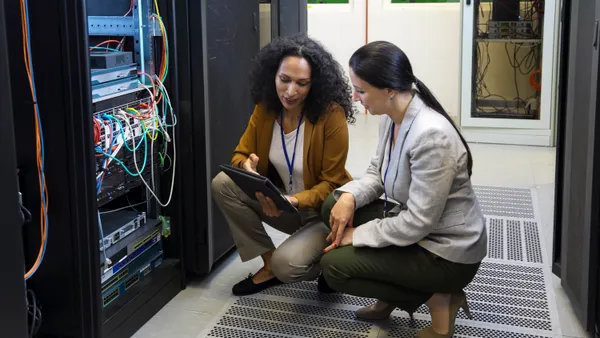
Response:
column 195, row 308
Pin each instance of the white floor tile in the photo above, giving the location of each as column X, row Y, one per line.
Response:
column 174, row 322
column 569, row 323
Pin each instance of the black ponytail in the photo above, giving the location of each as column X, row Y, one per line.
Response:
column 427, row 97
column 384, row 65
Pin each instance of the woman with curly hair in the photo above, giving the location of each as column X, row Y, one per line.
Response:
column 298, row 138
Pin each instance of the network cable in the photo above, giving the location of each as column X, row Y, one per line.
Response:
column 150, row 120
column 39, row 139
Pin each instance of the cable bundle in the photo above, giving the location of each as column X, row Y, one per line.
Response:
column 149, row 117
column 39, row 139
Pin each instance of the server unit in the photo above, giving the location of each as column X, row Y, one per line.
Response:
column 507, row 81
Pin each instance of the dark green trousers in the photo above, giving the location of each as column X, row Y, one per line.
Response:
column 406, row 276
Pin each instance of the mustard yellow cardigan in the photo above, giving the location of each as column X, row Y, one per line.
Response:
column 325, row 152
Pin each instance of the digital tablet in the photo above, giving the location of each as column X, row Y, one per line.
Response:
column 252, row 183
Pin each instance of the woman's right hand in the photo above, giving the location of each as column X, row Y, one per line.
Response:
column 251, row 163
column 341, row 215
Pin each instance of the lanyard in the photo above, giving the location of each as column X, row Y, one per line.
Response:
column 385, row 211
column 287, row 159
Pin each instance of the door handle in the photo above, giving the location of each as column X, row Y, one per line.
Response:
column 255, row 20
column 596, row 35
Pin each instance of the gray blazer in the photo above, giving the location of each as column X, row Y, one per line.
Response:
column 428, row 176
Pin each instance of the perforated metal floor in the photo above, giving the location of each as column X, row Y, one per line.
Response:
column 509, row 297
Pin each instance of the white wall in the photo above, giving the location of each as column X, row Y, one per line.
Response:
column 428, row 33
column 340, row 27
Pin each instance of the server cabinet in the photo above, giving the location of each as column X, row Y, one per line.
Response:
column 288, row 17
column 12, row 286
column 217, row 40
column 58, row 44
column 507, row 84
column 577, row 255
column 68, row 282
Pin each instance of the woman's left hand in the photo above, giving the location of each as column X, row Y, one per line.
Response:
column 346, row 239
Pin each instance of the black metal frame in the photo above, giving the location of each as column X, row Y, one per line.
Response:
column 191, row 96
column 61, row 69
column 68, row 282
column 565, row 18
column 213, row 113
column 577, row 233
column 12, row 286
column 288, row 17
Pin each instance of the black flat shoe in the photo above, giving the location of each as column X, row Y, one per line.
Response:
column 322, row 285
column 247, row 286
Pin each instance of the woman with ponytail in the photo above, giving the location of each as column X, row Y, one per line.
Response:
column 423, row 241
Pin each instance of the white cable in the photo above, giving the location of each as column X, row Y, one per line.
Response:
column 109, row 160
column 123, row 116
column 174, row 166
column 162, row 86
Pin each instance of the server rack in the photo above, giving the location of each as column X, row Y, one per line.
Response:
column 12, row 287
column 576, row 255
column 288, row 17
column 217, row 40
column 68, row 282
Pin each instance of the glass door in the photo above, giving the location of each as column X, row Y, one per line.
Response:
column 508, row 64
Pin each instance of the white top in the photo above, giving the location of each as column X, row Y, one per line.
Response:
column 389, row 181
column 277, row 157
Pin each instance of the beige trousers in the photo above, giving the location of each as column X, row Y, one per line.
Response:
column 297, row 258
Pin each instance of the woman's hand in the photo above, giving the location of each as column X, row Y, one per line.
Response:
column 342, row 215
column 251, row 163
column 346, row 240
column 269, row 207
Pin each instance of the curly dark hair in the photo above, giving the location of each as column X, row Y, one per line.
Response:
column 328, row 82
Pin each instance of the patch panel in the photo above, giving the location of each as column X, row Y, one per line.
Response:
column 140, row 269
column 109, row 284
column 141, row 246
column 125, row 247
column 109, row 298
column 133, row 130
